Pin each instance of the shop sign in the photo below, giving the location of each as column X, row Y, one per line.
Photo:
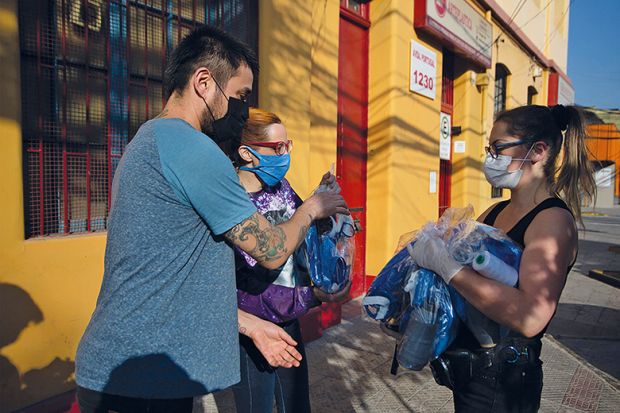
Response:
column 445, row 141
column 432, row 182
column 566, row 93
column 423, row 70
column 459, row 25
column 459, row 146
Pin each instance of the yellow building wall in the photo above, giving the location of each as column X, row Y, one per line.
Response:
column 521, row 66
column 524, row 72
column 530, row 17
column 545, row 23
column 57, row 278
column 298, row 48
column 470, row 113
column 557, row 33
column 403, row 135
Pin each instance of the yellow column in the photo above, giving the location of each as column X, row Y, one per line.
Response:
column 298, row 53
column 403, row 137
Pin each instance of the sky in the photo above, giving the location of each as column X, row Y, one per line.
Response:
column 594, row 52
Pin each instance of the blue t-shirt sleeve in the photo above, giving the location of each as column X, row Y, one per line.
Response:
column 203, row 177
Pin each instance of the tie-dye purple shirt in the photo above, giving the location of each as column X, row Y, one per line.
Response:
column 277, row 204
column 275, row 295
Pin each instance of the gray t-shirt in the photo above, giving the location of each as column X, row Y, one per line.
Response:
column 165, row 325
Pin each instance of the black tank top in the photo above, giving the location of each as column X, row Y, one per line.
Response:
column 517, row 233
column 465, row 338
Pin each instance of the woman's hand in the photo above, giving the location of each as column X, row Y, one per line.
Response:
column 272, row 341
column 431, row 253
column 329, row 182
column 338, row 297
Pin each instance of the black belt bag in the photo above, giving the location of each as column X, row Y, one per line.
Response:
column 459, row 366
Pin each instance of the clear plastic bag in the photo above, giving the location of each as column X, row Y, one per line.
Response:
column 467, row 241
column 329, row 251
column 330, row 247
column 415, row 306
column 421, row 308
column 385, row 298
column 432, row 323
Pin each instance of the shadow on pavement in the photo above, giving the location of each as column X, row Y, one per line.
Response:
column 591, row 332
column 596, row 255
column 19, row 388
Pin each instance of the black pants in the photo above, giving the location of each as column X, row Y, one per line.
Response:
column 261, row 384
column 96, row 402
column 506, row 389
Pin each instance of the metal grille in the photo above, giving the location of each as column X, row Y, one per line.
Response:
column 92, row 73
column 501, row 79
column 447, row 106
column 499, row 104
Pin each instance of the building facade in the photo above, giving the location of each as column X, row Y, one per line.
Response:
column 400, row 95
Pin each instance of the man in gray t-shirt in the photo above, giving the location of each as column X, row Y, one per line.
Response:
column 165, row 325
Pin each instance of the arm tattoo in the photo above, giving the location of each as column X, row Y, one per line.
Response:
column 242, row 330
column 269, row 242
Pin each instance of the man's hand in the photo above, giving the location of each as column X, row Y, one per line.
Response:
column 338, row 297
column 272, row 341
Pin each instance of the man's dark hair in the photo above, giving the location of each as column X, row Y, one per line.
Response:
column 212, row 48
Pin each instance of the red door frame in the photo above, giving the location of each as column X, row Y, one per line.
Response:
column 329, row 314
column 361, row 20
column 447, row 106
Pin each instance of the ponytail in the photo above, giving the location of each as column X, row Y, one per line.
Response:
column 573, row 180
column 575, row 175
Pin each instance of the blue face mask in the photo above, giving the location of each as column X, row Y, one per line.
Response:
column 271, row 168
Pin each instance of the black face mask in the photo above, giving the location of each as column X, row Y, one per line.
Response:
column 226, row 131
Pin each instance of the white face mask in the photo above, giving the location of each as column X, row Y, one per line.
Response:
column 496, row 170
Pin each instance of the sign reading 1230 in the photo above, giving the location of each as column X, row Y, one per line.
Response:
column 423, row 70
column 423, row 80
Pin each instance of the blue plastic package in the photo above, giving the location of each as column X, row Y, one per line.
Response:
column 329, row 254
column 432, row 323
column 384, row 299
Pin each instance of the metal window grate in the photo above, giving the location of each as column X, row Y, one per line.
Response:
column 497, row 192
column 501, row 80
column 499, row 104
column 92, row 73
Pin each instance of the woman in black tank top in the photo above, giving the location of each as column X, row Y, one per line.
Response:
column 541, row 216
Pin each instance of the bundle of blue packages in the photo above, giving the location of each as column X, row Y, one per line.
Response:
column 492, row 254
column 431, row 324
column 384, row 299
column 469, row 239
column 417, row 304
column 425, row 311
column 329, row 254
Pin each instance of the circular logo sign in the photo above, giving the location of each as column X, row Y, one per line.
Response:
column 440, row 5
column 445, row 127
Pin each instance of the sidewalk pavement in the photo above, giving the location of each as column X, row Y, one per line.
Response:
column 350, row 364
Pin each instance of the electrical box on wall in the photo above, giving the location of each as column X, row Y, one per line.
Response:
column 482, row 79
